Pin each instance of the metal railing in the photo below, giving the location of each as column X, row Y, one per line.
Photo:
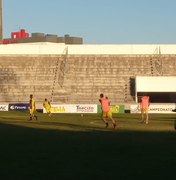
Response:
column 63, row 59
column 156, row 62
column 63, row 67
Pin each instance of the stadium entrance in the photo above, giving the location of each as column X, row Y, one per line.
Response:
column 159, row 97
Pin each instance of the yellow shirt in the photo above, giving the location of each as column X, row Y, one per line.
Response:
column 32, row 104
column 46, row 104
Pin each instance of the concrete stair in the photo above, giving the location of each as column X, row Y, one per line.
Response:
column 85, row 76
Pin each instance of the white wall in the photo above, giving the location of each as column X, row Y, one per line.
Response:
column 155, row 84
column 33, row 48
column 52, row 48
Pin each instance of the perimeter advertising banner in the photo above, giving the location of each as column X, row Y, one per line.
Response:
column 4, row 107
column 18, row 107
column 154, row 109
column 72, row 108
column 114, row 108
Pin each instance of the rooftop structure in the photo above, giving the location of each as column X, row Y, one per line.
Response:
column 23, row 37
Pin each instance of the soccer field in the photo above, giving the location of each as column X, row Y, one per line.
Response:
column 69, row 146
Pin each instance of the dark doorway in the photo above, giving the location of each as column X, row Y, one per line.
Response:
column 160, row 97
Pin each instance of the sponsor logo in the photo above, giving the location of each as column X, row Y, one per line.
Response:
column 58, row 109
column 84, row 108
column 136, row 109
column 115, row 109
column 3, row 108
column 18, row 107
column 12, row 107
column 161, row 109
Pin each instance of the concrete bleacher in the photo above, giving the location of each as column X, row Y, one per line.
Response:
column 85, row 76
column 108, row 74
column 22, row 75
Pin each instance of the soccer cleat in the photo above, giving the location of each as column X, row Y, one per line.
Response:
column 36, row 118
column 107, row 125
column 30, row 119
column 115, row 127
column 142, row 121
column 146, row 122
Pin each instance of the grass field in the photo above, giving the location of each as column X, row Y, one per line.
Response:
column 68, row 146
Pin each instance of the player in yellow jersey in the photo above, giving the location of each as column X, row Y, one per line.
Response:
column 32, row 108
column 47, row 106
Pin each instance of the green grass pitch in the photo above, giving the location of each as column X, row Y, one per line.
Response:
column 69, row 146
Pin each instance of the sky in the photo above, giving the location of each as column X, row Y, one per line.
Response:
column 96, row 21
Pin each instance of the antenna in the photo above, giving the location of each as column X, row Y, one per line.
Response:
column 17, row 27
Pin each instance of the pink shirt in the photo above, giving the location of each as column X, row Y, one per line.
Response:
column 145, row 102
column 105, row 104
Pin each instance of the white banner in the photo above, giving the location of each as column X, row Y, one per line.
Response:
column 154, row 109
column 4, row 107
column 64, row 108
column 73, row 108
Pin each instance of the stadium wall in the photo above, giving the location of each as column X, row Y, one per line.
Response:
column 90, row 69
column 53, row 48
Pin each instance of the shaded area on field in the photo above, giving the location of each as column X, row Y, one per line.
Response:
column 31, row 153
column 90, row 122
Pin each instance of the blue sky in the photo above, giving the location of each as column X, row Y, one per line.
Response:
column 96, row 21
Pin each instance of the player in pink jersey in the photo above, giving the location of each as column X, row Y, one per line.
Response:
column 106, row 112
column 145, row 103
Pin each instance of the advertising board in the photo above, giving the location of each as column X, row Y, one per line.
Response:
column 114, row 108
column 18, row 107
column 73, row 108
column 4, row 107
column 154, row 109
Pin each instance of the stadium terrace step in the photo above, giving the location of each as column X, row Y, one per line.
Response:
column 84, row 75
